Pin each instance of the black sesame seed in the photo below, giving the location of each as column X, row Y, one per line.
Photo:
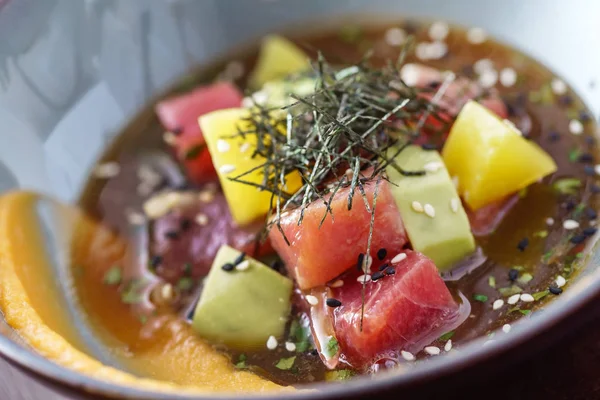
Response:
column 586, row 158
column 390, row 271
column 577, row 239
column 591, row 213
column 314, row 352
column 333, row 303
column 239, row 258
column 173, row 235
column 584, row 116
column 381, row 253
column 383, row 266
column 565, row 100
column 276, row 265
column 595, row 189
column 177, row 130
column 589, row 170
column 590, row 231
column 377, row 276
column 185, row 224
column 429, row 146
column 555, row 290
column 187, row 269
column 513, row 274
column 434, row 84
column 554, row 136
column 359, row 262
column 522, row 245
column 156, row 261
column 590, row 140
column 570, row 205
column 227, row 267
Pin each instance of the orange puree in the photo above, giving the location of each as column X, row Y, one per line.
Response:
column 164, row 350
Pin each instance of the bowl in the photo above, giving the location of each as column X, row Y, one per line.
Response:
column 72, row 73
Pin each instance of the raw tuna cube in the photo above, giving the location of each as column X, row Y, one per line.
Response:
column 317, row 255
column 406, row 310
column 180, row 115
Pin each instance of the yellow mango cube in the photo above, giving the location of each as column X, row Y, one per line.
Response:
column 490, row 158
column 277, row 59
column 232, row 156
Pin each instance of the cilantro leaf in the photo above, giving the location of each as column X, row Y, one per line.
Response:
column 480, row 297
column 286, row 363
column 339, row 375
column 113, row 276
column 447, row 336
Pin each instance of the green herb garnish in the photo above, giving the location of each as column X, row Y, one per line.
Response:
column 193, row 152
column 540, row 295
column 113, row 276
column 525, row 312
column 510, row 290
column 332, row 346
column 547, row 256
column 339, row 375
column 523, row 192
column 480, row 297
column 241, row 364
column 492, row 281
column 574, row 155
column 541, row 234
column 567, row 185
column 300, row 335
column 447, row 336
column 525, row 278
column 285, row 363
column 578, row 210
column 132, row 293
column 185, row 283
column 143, row 319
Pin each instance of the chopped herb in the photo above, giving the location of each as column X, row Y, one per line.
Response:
column 185, row 283
column 510, row 290
column 193, row 152
column 492, row 281
column 332, row 347
column 300, row 335
column 525, row 278
column 579, row 209
column 143, row 319
column 512, row 310
column 132, row 293
column 285, row 363
column 541, row 234
column 574, row 155
column 241, row 364
column 187, row 269
column 579, row 255
column 447, row 336
column 523, row 192
column 339, row 375
column 525, row 312
column 547, row 256
column 480, row 297
column 113, row 276
column 540, row 295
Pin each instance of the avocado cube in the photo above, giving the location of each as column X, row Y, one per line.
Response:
column 433, row 215
column 242, row 308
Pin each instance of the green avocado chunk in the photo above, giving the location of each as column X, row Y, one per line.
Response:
column 242, row 308
column 431, row 210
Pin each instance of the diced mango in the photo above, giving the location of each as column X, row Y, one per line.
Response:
column 232, row 156
column 490, row 158
column 278, row 58
column 441, row 230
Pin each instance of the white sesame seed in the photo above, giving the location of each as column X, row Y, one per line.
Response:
column 549, row 221
column 483, row 65
column 506, row 328
column 135, row 218
column 395, row 36
column 272, row 343
column 416, row 206
column 167, row 291
column 170, row 138
column 410, row 74
column 247, row 102
column 432, row 350
column 107, row 170
column 560, row 281
column 476, row 35
column 597, row 169
column 260, row 97
column 422, row 51
column 433, row 166
column 143, row 189
column 429, row 210
column 513, row 299
column 244, row 147
column 201, row 219
column 206, row 196
column 398, row 258
column 244, row 265
column 226, row 168
column 508, row 77
column 498, row 304
column 575, row 127
column 488, row 78
column 436, row 50
column 222, row 146
column 289, row 346
column 527, row 298
column 454, row 204
column 558, row 86
column 570, row 224
column 592, row 222
column 337, row 284
column 364, row 278
column 407, row 355
column 448, row 345
column 438, row 30
column 161, row 204
column 312, row 300
column 455, row 181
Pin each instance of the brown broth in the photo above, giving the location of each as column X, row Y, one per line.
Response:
column 109, row 201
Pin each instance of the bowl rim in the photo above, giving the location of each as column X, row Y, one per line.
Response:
column 579, row 294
